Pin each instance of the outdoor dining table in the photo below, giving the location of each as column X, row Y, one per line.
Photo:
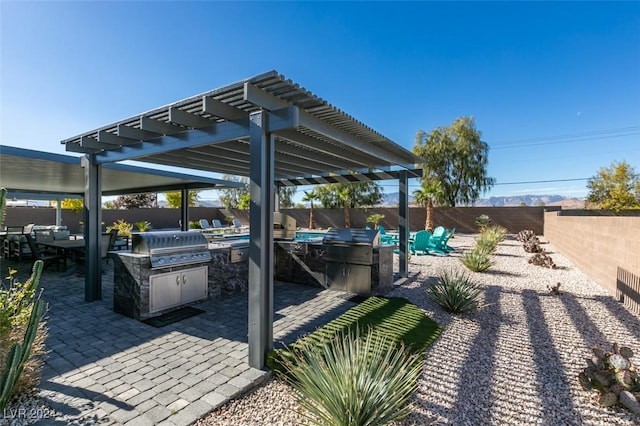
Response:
column 69, row 249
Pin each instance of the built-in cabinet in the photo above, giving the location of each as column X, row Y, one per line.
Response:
column 170, row 289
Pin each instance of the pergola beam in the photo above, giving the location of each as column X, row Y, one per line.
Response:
column 110, row 138
column 161, row 127
column 187, row 119
column 220, row 109
column 220, row 132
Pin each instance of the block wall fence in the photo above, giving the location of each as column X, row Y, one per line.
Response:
column 601, row 246
column 604, row 247
column 461, row 218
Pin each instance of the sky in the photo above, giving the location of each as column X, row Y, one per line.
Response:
column 554, row 88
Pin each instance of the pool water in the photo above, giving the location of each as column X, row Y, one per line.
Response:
column 300, row 236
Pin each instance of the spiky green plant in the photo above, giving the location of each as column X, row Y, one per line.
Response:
column 478, row 259
column 143, row 226
column 455, row 292
column 483, row 221
column 490, row 237
column 354, row 379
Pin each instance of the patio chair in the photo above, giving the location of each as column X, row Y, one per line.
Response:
column 437, row 244
column 420, row 243
column 47, row 257
column 237, row 223
column 217, row 224
column 204, row 224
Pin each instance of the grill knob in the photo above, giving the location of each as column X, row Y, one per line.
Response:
column 173, row 258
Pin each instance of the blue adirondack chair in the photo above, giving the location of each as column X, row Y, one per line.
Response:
column 437, row 244
column 420, row 243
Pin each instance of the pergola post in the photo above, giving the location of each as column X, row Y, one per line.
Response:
column 92, row 228
column 184, row 209
column 403, row 222
column 261, row 178
column 58, row 211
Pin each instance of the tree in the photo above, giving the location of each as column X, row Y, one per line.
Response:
column 616, row 188
column 457, row 158
column 310, row 196
column 430, row 192
column 74, row 204
column 174, row 199
column 231, row 197
column 348, row 196
column 244, row 202
column 135, row 201
column 286, row 194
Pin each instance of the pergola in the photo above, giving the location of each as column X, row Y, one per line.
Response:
column 267, row 128
column 38, row 175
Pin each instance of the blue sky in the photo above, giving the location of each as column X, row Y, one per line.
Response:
column 554, row 87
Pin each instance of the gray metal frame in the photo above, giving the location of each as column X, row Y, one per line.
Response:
column 277, row 133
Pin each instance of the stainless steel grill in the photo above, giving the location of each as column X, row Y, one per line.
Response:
column 170, row 248
column 284, row 227
column 349, row 257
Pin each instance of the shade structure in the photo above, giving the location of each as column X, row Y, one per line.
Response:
column 28, row 173
column 267, row 128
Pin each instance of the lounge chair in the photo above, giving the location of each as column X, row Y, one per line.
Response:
column 204, row 224
column 420, row 243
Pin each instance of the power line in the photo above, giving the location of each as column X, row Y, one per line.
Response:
column 523, row 145
column 567, row 138
column 541, row 181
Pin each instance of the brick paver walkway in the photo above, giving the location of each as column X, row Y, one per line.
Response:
column 105, row 368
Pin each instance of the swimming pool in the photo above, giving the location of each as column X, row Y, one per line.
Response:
column 308, row 236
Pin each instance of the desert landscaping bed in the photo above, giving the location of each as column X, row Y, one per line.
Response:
column 514, row 361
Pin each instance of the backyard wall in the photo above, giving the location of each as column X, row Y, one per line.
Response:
column 601, row 246
column 514, row 219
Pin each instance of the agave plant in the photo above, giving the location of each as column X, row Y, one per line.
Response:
column 354, row 380
column 455, row 292
column 478, row 259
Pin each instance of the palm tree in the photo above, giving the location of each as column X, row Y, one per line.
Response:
column 425, row 196
column 310, row 196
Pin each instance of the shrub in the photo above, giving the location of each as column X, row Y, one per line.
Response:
column 194, row 224
column 354, row 380
column 478, row 259
column 124, row 228
column 455, row 292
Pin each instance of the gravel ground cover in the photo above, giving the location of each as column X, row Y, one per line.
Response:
column 513, row 362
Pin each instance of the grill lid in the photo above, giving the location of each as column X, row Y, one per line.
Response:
column 167, row 241
column 352, row 236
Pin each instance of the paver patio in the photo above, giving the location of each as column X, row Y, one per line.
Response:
column 110, row 369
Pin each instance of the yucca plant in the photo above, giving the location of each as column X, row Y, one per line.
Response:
column 354, row 379
column 490, row 237
column 455, row 292
column 478, row 259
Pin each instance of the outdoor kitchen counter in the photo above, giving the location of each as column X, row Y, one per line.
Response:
column 305, row 263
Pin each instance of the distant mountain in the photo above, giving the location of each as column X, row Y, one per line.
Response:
column 393, row 199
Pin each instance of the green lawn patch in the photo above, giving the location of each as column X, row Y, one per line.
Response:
column 396, row 319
